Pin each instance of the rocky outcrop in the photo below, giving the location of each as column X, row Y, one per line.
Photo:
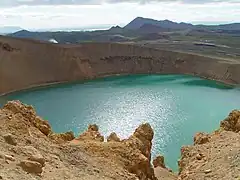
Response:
column 232, row 122
column 62, row 137
column 201, row 138
column 159, row 162
column 213, row 156
column 113, row 137
column 91, row 134
column 133, row 153
column 142, row 141
column 27, row 147
column 46, row 63
column 33, row 146
column 16, row 108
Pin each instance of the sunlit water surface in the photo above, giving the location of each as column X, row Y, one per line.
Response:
column 176, row 106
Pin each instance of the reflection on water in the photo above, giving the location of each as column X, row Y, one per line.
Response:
column 176, row 106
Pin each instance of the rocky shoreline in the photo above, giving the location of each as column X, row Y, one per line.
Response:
column 29, row 149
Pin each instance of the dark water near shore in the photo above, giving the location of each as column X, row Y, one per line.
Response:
column 176, row 106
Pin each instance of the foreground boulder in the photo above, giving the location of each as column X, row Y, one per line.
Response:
column 33, row 154
column 31, row 166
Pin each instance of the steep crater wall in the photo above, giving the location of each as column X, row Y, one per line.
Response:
column 29, row 63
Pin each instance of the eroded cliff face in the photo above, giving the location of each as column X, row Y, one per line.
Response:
column 29, row 63
column 29, row 149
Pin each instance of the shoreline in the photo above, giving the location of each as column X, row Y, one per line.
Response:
column 45, row 85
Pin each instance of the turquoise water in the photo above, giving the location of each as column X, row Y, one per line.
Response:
column 176, row 106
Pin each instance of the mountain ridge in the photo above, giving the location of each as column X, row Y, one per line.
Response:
column 140, row 21
column 9, row 29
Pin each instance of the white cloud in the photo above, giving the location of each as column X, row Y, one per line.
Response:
column 116, row 13
column 77, row 2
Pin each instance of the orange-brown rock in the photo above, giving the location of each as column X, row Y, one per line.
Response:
column 29, row 114
column 133, row 153
column 42, row 125
column 92, row 127
column 113, row 137
column 232, row 122
column 159, row 162
column 213, row 156
column 16, row 107
column 142, row 139
column 201, row 138
column 31, row 166
column 62, row 137
column 91, row 134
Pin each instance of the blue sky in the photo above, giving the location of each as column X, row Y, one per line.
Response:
column 37, row 14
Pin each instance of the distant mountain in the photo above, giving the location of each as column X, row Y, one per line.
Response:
column 45, row 36
column 116, row 29
column 226, row 27
column 9, row 29
column 150, row 28
column 138, row 29
column 140, row 21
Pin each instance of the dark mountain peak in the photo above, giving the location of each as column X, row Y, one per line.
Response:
column 140, row 21
column 151, row 28
column 166, row 20
column 22, row 31
column 115, row 27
